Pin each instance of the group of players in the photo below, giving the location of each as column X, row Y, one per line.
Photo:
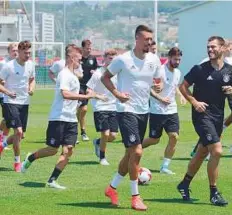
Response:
column 127, row 91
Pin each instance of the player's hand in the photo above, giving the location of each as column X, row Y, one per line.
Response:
column 30, row 92
column 200, row 106
column 123, row 97
column 101, row 97
column 165, row 101
column 183, row 101
column 158, row 85
column 227, row 90
column 11, row 94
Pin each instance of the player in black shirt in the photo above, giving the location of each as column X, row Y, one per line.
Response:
column 89, row 64
column 211, row 82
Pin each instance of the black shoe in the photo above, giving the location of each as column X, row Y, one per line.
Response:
column 184, row 191
column 218, row 200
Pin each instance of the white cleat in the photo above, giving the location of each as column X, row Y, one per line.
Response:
column 25, row 164
column 97, row 148
column 166, row 171
column 104, row 162
column 85, row 137
column 55, row 185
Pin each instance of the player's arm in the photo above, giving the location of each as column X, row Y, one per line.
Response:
column 182, row 98
column 157, row 96
column 6, row 91
column 52, row 76
column 31, row 86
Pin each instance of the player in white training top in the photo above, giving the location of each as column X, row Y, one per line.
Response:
column 163, row 109
column 104, row 111
column 19, row 77
column 135, row 71
column 62, row 126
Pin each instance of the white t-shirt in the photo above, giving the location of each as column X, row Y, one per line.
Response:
column 64, row 109
column 16, row 79
column 135, row 76
column 97, row 86
column 171, row 81
column 7, row 59
column 59, row 65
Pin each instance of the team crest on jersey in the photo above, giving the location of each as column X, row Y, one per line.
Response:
column 209, row 137
column 132, row 138
column 153, row 132
column 226, row 78
column 151, row 66
column 52, row 141
column 91, row 62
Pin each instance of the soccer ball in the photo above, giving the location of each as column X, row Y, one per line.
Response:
column 144, row 176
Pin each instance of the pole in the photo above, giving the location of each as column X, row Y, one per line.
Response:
column 156, row 22
column 64, row 23
column 33, row 30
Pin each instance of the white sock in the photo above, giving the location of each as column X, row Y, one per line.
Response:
column 134, row 188
column 4, row 138
column 166, row 163
column 116, row 180
column 17, row 159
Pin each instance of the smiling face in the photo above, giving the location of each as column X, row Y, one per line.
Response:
column 215, row 49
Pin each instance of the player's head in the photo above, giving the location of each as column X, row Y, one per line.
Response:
column 86, row 47
column 215, row 47
column 153, row 47
column 143, row 38
column 174, row 57
column 109, row 56
column 12, row 50
column 24, row 50
column 73, row 55
column 228, row 48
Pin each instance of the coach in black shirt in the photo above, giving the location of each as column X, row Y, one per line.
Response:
column 211, row 82
column 89, row 64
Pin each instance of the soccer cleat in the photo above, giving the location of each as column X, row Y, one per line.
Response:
column 192, row 154
column 137, row 204
column 17, row 167
column 7, row 148
column 184, row 191
column 166, row 171
column 85, row 137
column 218, row 200
column 112, row 194
column 25, row 164
column 55, row 185
column 97, row 148
column 77, row 142
column 104, row 162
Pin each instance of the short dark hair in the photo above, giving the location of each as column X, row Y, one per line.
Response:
column 70, row 48
column 153, row 43
column 110, row 52
column 141, row 28
column 85, row 42
column 26, row 44
column 174, row 52
column 218, row 38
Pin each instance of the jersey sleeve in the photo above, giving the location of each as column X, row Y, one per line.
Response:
column 32, row 75
column 191, row 77
column 158, row 73
column 93, row 81
column 64, row 81
column 55, row 68
column 4, row 73
column 115, row 66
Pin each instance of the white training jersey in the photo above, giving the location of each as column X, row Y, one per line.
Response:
column 135, row 76
column 171, row 81
column 65, row 109
column 57, row 66
column 16, row 79
column 5, row 60
column 97, row 86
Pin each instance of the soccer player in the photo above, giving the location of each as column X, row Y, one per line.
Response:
column 153, row 47
column 89, row 64
column 62, row 126
column 13, row 53
column 19, row 78
column 135, row 71
column 104, row 112
column 212, row 81
column 163, row 109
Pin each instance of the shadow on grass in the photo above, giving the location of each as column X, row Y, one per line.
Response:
column 226, row 156
column 102, row 205
column 154, row 170
column 181, row 159
column 84, row 162
column 5, row 169
column 38, row 141
column 177, row 200
column 32, row 184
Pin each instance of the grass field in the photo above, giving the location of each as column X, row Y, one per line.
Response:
column 86, row 179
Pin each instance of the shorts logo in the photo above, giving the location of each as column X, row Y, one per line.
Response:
column 91, row 62
column 226, row 78
column 153, row 132
column 13, row 122
column 52, row 141
column 132, row 138
column 209, row 137
column 100, row 126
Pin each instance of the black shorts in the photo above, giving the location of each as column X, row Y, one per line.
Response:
column 61, row 133
column 16, row 115
column 158, row 122
column 2, row 106
column 82, row 91
column 106, row 120
column 209, row 129
column 132, row 127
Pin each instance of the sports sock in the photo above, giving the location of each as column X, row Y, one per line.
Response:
column 187, row 180
column 33, row 157
column 98, row 141
column 83, row 131
column 17, row 159
column 134, row 188
column 166, row 163
column 213, row 190
column 55, row 174
column 116, row 180
column 102, row 154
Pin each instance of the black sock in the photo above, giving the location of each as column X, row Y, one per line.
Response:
column 195, row 148
column 98, row 141
column 83, row 131
column 102, row 154
column 56, row 173
column 32, row 157
column 187, row 180
column 213, row 190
